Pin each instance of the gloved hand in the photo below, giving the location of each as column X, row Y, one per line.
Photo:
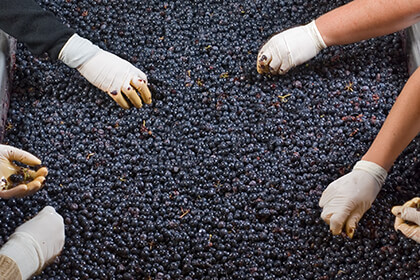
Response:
column 346, row 199
column 8, row 154
column 409, row 212
column 106, row 71
column 290, row 48
column 36, row 243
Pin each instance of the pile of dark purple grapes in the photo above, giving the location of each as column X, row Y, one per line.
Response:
column 221, row 176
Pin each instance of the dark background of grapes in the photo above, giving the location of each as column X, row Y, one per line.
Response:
column 221, row 177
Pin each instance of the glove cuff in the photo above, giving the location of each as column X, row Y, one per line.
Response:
column 77, row 51
column 9, row 269
column 378, row 172
column 25, row 252
column 316, row 36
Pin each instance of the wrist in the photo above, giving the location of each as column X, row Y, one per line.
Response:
column 380, row 157
column 316, row 35
column 322, row 29
column 377, row 171
column 77, row 50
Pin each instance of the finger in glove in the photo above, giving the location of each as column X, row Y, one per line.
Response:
column 263, row 62
column 326, row 216
column 117, row 96
column 335, row 217
column 15, row 154
column 415, row 202
column 43, row 171
column 18, row 191
column 411, row 231
column 141, row 86
column 407, row 213
column 275, row 66
column 397, row 223
column 337, row 222
column 352, row 222
column 132, row 95
column 24, row 189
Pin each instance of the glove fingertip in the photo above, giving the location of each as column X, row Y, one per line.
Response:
column 396, row 211
column 336, row 223
column 34, row 161
column 410, row 214
column 335, row 231
column 43, row 171
column 22, row 156
column 263, row 61
column 116, row 95
column 350, row 232
column 48, row 209
column 325, row 197
column 351, row 225
column 405, row 229
column 263, row 58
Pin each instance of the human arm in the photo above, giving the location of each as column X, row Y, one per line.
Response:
column 106, row 71
column 353, row 22
column 42, row 32
column 363, row 19
column 400, row 127
column 342, row 204
column 346, row 199
column 38, row 29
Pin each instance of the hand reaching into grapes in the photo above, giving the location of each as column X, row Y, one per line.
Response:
column 345, row 200
column 290, row 48
column 408, row 218
column 30, row 180
column 106, row 71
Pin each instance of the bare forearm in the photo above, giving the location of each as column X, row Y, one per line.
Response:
column 400, row 127
column 364, row 19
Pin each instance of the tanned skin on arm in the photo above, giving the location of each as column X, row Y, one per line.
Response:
column 363, row 19
column 400, row 127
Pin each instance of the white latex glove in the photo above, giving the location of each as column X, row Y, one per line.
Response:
column 36, row 243
column 290, row 48
column 106, row 71
column 8, row 154
column 409, row 212
column 346, row 199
